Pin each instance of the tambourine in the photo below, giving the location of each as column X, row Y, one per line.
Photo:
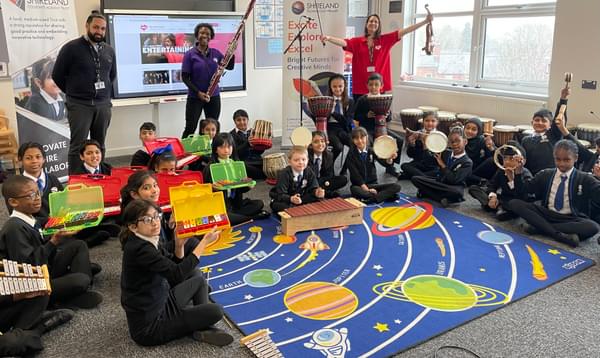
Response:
column 436, row 142
column 385, row 146
column 499, row 155
column 301, row 136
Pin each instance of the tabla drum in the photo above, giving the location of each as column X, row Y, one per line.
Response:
column 588, row 131
column 504, row 133
column 488, row 125
column 427, row 109
column 380, row 105
column 321, row 107
column 436, row 141
column 464, row 117
column 301, row 136
column 272, row 164
column 261, row 137
column 410, row 118
column 523, row 131
column 445, row 120
column 385, row 146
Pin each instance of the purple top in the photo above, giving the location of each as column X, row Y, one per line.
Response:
column 201, row 69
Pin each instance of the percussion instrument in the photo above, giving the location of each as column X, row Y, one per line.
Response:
column 464, row 117
column 427, row 109
column 261, row 344
column 436, row 141
column 488, row 125
column 380, row 105
column 428, row 48
column 588, row 131
column 18, row 278
column 585, row 143
column 523, row 128
column 385, row 146
column 502, row 151
column 410, row 118
column 301, row 136
column 504, row 133
column 320, row 215
column 445, row 120
column 272, row 164
column 261, row 136
column 321, row 107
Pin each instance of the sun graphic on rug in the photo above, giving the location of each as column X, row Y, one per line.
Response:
column 226, row 239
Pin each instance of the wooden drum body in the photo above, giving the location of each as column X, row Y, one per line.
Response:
column 410, row 118
column 380, row 105
column 262, row 135
column 588, row 131
column 272, row 164
column 321, row 107
column 488, row 125
column 504, row 133
column 445, row 120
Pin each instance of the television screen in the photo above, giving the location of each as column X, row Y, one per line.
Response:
column 149, row 50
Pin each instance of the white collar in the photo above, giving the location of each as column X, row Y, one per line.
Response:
column 458, row 156
column 30, row 220
column 296, row 174
column 42, row 177
column 49, row 98
column 152, row 240
column 91, row 170
column 568, row 173
column 315, row 156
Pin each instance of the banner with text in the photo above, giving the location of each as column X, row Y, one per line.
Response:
column 318, row 62
column 35, row 31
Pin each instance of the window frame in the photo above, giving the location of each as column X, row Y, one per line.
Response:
column 480, row 15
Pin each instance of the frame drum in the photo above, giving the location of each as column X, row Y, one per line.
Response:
column 445, row 120
column 301, row 136
column 410, row 118
column 385, row 146
column 499, row 154
column 588, row 131
column 488, row 125
column 436, row 141
column 504, row 133
column 272, row 164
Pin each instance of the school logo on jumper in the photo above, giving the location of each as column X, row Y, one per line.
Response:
column 19, row 3
column 297, row 7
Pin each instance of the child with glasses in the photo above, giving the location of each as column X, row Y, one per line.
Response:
column 160, row 301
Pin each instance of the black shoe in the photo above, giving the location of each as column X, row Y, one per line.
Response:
column 391, row 171
column 262, row 215
column 568, row 239
column 503, row 215
column 96, row 238
column 53, row 319
column 393, row 198
column 112, row 229
column 214, row 336
column 86, row 300
column 419, row 194
column 531, row 230
column 96, row 268
column 403, row 176
column 444, row 203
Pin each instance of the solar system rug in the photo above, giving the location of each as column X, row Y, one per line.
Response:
column 407, row 274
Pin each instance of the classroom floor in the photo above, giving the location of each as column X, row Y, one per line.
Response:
column 562, row 320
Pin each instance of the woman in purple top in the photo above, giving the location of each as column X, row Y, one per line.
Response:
column 198, row 66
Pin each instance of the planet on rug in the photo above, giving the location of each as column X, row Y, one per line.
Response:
column 494, row 237
column 262, row 278
column 441, row 293
column 320, row 300
column 391, row 221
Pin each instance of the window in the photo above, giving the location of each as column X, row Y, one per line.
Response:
column 491, row 44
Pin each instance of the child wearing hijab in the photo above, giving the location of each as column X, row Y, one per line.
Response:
column 480, row 148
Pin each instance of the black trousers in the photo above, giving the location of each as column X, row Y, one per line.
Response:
column 180, row 318
column 246, row 210
column 485, row 170
column 23, row 314
column 338, row 138
column 551, row 223
column 18, row 342
column 70, row 272
column 384, row 192
column 433, row 189
column 333, row 184
column 417, row 168
column 84, row 119
column 193, row 110
column 254, row 169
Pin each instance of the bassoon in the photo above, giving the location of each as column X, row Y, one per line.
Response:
column 214, row 81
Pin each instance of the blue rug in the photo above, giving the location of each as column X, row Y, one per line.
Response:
column 408, row 273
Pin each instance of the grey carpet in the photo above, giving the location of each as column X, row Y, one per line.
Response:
column 560, row 321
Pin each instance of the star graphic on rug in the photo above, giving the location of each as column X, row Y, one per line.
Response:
column 289, row 319
column 248, row 297
column 206, row 269
column 553, row 251
column 397, row 321
column 282, row 255
column 381, row 327
column 378, row 274
column 482, row 269
column 377, row 267
column 563, row 258
column 219, row 269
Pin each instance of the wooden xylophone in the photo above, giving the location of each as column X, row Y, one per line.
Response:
column 18, row 278
column 261, row 345
column 320, row 215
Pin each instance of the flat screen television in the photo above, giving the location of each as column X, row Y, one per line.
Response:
column 149, row 49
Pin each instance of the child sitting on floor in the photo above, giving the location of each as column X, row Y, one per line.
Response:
column 423, row 159
column 250, row 155
column 480, row 148
column 141, row 158
column 91, row 159
column 321, row 160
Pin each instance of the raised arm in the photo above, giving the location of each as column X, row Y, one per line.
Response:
column 411, row 28
column 335, row 40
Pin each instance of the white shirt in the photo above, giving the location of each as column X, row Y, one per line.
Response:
column 51, row 100
column 452, row 157
column 296, row 175
column 566, row 209
column 30, row 220
column 152, row 240
column 91, row 170
column 42, row 178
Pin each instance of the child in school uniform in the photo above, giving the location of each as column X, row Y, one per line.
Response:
column 587, row 159
column 21, row 241
column 363, row 174
column 340, row 122
column 239, row 209
column 321, row 161
column 141, row 158
column 296, row 184
column 366, row 118
column 209, row 127
column 250, row 155
column 454, row 166
column 565, row 195
column 163, row 160
column 423, row 160
column 91, row 159
column 160, row 298
column 480, row 149
column 500, row 189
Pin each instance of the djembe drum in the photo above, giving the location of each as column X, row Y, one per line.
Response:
column 429, row 109
column 504, row 133
column 523, row 131
column 380, row 105
column 261, row 136
column 410, row 118
column 488, row 125
column 464, row 117
column 272, row 164
column 18, row 278
column 445, row 120
column 321, row 107
column 588, row 131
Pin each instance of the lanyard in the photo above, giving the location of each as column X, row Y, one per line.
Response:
column 371, row 49
column 96, row 58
